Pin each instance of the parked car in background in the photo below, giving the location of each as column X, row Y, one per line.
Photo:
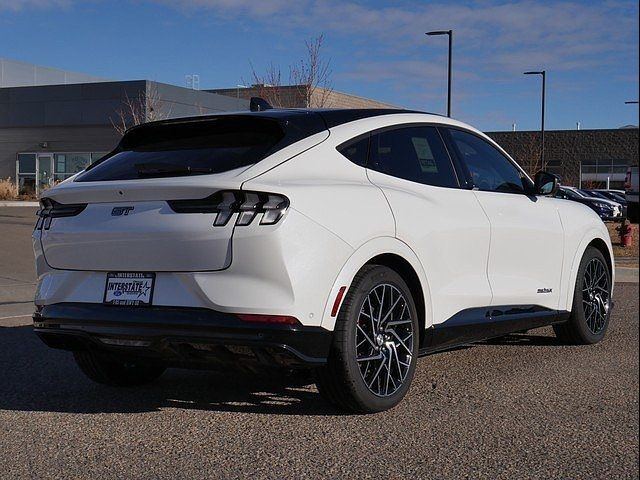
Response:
column 347, row 242
column 607, row 210
column 606, row 195
column 631, row 192
column 614, row 195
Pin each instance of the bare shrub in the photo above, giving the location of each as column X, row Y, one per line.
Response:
column 7, row 189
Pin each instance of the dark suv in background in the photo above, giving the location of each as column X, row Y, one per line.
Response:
column 607, row 210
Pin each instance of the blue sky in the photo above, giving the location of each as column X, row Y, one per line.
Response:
column 376, row 49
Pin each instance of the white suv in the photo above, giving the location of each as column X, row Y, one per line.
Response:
column 347, row 242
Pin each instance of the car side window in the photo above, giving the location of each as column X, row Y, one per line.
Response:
column 412, row 153
column 560, row 194
column 571, row 194
column 490, row 170
column 356, row 150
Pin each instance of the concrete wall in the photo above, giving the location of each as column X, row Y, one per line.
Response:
column 21, row 74
column 296, row 96
column 58, row 105
column 58, row 139
column 565, row 150
column 181, row 102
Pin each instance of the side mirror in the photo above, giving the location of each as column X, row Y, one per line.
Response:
column 546, row 183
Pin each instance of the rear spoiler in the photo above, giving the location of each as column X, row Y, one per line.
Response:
column 257, row 104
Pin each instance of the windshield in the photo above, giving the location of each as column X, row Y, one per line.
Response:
column 617, row 197
column 571, row 193
column 598, row 195
column 189, row 148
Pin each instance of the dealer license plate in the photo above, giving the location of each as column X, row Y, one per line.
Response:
column 129, row 288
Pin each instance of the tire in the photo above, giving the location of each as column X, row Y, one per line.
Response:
column 590, row 315
column 342, row 381
column 110, row 371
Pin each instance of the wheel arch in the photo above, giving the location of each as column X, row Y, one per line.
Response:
column 597, row 240
column 604, row 249
column 394, row 254
column 403, row 268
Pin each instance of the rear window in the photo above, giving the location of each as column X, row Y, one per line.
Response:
column 190, row 148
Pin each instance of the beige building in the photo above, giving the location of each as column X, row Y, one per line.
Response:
column 301, row 96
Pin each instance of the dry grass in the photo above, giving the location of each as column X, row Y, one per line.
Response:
column 7, row 189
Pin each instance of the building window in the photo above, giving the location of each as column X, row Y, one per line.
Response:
column 603, row 173
column 26, row 173
column 36, row 172
column 68, row 164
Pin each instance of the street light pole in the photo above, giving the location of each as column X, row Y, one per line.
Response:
column 543, row 73
column 449, row 64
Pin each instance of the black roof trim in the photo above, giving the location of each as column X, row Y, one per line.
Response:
column 337, row 117
column 331, row 117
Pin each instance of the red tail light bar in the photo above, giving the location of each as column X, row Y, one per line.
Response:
column 226, row 203
column 274, row 319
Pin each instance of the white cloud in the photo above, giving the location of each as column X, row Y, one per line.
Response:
column 17, row 5
column 495, row 35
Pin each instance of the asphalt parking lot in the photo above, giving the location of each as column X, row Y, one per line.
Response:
column 523, row 406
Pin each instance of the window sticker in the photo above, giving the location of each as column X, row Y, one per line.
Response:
column 425, row 156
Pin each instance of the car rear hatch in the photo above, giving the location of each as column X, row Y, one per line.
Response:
column 154, row 203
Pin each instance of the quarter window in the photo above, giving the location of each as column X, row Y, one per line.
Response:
column 412, row 153
column 356, row 151
column 490, row 170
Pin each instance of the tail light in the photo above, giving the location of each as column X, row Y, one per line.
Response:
column 248, row 205
column 50, row 209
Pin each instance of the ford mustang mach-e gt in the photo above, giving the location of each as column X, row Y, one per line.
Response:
column 345, row 242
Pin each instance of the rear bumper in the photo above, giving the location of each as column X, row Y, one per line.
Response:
column 180, row 336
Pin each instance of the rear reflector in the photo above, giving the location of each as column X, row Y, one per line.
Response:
column 336, row 303
column 277, row 319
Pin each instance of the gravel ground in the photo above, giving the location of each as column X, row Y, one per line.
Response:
column 522, row 406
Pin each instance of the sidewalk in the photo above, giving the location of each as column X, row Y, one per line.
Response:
column 626, row 275
column 18, row 203
column 626, row 261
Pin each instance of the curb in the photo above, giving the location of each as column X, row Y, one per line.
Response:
column 18, row 203
column 627, row 275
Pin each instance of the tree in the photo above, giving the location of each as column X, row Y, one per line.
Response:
column 147, row 106
column 309, row 78
column 529, row 158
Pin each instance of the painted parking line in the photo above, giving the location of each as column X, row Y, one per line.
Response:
column 16, row 316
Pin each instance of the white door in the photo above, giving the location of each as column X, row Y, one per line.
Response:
column 526, row 252
column 443, row 223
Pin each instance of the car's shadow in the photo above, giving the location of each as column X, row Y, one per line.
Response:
column 525, row 339
column 34, row 377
